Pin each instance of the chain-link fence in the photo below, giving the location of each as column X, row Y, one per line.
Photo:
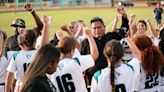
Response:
column 60, row 4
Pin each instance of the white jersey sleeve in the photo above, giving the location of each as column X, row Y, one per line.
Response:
column 94, row 84
column 76, row 53
column 86, row 61
column 12, row 65
column 3, row 65
column 123, row 82
column 137, row 71
column 161, row 82
column 10, row 54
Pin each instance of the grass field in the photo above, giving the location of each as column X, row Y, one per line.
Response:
column 65, row 16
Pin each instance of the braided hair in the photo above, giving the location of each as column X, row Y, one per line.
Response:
column 113, row 51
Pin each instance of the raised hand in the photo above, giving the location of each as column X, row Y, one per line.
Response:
column 59, row 35
column 50, row 19
column 64, row 27
column 148, row 21
column 132, row 18
column 87, row 32
column 28, row 7
column 121, row 10
column 45, row 19
column 116, row 18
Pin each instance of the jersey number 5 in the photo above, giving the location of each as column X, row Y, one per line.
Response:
column 64, row 83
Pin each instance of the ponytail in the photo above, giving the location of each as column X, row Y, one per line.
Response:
column 113, row 51
column 112, row 76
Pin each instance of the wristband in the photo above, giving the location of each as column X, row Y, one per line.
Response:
column 32, row 11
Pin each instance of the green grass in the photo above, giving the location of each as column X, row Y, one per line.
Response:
column 65, row 16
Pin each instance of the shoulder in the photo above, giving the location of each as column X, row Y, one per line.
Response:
column 9, row 54
column 76, row 60
column 34, row 87
column 129, row 66
column 36, row 83
column 68, row 63
column 97, row 75
column 16, row 54
column 101, row 73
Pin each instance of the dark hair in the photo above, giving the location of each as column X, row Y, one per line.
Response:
column 114, row 51
column 97, row 19
column 28, row 38
column 45, row 56
column 151, row 57
column 161, row 43
column 161, row 34
column 142, row 21
column 67, row 44
column 161, row 46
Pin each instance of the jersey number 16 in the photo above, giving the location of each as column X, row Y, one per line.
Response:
column 65, row 83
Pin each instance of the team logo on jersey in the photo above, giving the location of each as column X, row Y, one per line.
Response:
column 28, row 56
column 60, row 67
column 117, row 74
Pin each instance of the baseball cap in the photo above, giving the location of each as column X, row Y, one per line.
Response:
column 18, row 23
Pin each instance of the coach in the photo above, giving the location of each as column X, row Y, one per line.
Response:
column 100, row 37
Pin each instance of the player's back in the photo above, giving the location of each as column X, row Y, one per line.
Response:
column 69, row 74
column 4, row 62
column 149, row 83
column 20, row 62
column 124, row 80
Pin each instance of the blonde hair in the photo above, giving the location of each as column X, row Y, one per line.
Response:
column 3, row 38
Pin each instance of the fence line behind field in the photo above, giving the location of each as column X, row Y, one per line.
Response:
column 64, row 4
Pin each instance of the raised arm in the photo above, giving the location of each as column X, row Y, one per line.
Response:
column 66, row 28
column 132, row 25
column 38, row 22
column 46, row 30
column 92, row 44
column 125, row 21
column 152, row 29
column 135, row 51
column 115, row 22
